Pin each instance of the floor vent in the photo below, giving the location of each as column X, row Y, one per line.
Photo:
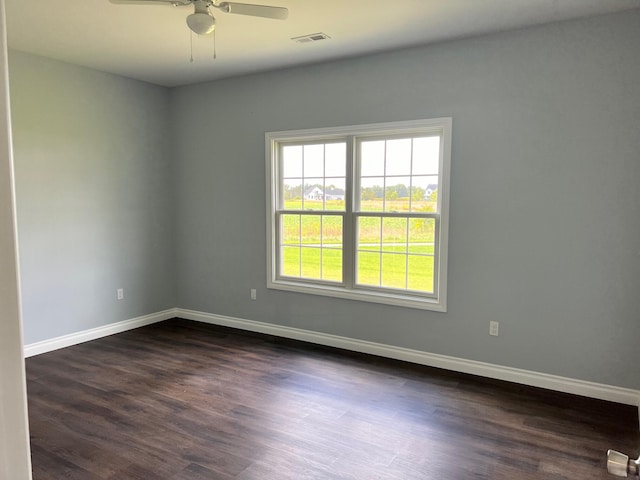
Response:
column 313, row 37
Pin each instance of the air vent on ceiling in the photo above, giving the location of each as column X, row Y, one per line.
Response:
column 313, row 37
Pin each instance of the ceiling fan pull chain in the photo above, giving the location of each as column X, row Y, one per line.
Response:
column 214, row 45
column 191, row 44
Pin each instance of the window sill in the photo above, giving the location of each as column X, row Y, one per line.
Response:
column 436, row 305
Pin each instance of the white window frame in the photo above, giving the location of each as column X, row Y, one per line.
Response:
column 347, row 289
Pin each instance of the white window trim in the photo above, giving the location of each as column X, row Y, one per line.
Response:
column 272, row 140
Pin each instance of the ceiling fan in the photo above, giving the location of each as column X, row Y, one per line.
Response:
column 202, row 21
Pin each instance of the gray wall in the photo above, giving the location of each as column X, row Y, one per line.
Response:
column 545, row 199
column 94, row 196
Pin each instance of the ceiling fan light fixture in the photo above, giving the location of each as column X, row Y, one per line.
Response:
column 201, row 23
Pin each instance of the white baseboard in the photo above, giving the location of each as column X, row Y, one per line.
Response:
column 98, row 332
column 535, row 379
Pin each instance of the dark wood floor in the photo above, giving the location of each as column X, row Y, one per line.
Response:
column 183, row 400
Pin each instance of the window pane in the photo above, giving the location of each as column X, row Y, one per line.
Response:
column 314, row 177
column 421, row 235
column 425, row 194
column 394, row 271
column 398, row 157
column 369, row 233
column 426, row 155
column 420, row 274
column 394, row 235
column 421, row 250
column 332, row 264
column 372, row 158
column 292, row 194
column 313, row 161
column 290, row 229
column 311, row 246
column 396, row 253
column 397, row 194
column 292, row 161
column 409, row 179
column 372, row 194
column 310, row 263
column 368, row 268
column 332, row 231
column 335, row 160
column 290, row 259
column 311, row 229
column 334, row 194
column 314, row 194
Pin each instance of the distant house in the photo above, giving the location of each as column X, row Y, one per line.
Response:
column 317, row 193
column 334, row 194
column 314, row 193
column 432, row 187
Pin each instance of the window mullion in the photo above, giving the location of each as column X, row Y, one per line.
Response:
column 349, row 224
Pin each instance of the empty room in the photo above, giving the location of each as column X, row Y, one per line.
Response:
column 320, row 239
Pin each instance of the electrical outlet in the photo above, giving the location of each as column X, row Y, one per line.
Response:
column 493, row 328
column 253, row 294
column 120, row 293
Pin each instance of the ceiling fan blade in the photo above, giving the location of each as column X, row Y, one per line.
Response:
column 266, row 11
column 147, row 2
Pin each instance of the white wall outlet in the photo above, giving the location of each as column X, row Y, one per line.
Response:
column 254, row 295
column 120, row 293
column 493, row 328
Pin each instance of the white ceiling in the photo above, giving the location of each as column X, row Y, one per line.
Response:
column 152, row 42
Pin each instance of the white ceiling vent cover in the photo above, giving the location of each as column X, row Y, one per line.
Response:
column 312, row 37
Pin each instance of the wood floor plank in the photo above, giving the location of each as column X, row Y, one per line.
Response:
column 182, row 400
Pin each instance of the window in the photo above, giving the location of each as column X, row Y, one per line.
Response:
column 361, row 212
